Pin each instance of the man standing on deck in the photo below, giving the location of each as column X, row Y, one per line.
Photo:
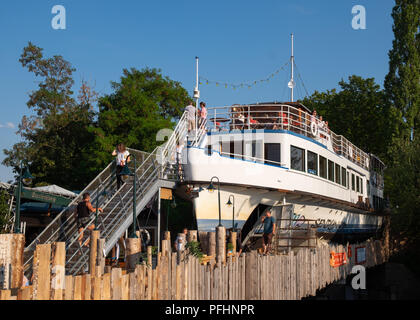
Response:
column 191, row 111
column 269, row 230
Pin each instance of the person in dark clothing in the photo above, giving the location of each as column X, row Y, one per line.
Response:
column 269, row 230
column 84, row 209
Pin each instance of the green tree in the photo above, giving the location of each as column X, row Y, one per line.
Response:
column 357, row 112
column 143, row 102
column 56, row 142
column 4, row 209
column 402, row 83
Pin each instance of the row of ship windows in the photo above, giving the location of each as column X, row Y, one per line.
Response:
column 315, row 164
column 324, row 168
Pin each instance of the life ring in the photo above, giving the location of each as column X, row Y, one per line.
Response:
column 314, row 129
column 351, row 152
column 145, row 237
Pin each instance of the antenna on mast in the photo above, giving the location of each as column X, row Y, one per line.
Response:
column 291, row 83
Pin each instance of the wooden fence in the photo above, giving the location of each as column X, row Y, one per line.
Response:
column 249, row 276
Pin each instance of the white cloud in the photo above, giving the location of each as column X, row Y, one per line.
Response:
column 8, row 125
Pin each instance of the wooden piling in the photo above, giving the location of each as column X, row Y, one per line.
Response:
column 58, row 272
column 100, row 257
column 211, row 244
column 232, row 240
column 133, row 252
column 41, row 272
column 192, row 235
column 221, row 244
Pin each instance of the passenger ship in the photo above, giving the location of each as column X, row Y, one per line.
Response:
column 271, row 155
column 268, row 155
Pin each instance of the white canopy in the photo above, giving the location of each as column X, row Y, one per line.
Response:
column 53, row 189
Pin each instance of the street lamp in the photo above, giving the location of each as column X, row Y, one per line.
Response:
column 229, row 203
column 26, row 178
column 125, row 173
column 210, row 188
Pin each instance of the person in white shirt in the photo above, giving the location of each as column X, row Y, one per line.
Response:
column 191, row 111
column 121, row 153
column 181, row 240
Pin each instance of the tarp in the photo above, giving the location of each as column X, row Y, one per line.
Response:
column 54, row 189
column 5, row 185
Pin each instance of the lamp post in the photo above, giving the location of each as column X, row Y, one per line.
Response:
column 229, row 203
column 211, row 189
column 127, row 172
column 26, row 178
column 173, row 205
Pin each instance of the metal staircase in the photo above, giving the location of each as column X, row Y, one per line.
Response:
column 152, row 170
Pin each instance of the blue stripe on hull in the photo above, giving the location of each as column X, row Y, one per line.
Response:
column 211, row 224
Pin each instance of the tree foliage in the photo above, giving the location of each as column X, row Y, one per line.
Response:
column 357, row 112
column 4, row 209
column 402, row 88
column 142, row 103
column 66, row 142
column 402, row 83
column 57, row 141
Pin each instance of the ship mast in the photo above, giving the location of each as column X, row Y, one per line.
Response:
column 196, row 95
column 291, row 83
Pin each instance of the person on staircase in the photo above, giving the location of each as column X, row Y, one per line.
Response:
column 121, row 153
column 84, row 209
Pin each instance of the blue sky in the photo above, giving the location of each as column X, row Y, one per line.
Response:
column 236, row 40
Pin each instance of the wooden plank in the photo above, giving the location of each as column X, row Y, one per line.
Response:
column 77, row 288
column 58, row 272
column 116, row 290
column 93, row 251
column 25, row 293
column 106, row 287
column 69, row 288
column 97, row 284
column 5, row 294
column 18, row 245
column 133, row 285
column 87, row 287
column 125, row 281
column 100, row 255
column 42, row 279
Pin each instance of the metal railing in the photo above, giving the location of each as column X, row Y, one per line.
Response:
column 146, row 171
column 283, row 117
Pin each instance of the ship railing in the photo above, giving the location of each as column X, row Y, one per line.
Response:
column 283, row 117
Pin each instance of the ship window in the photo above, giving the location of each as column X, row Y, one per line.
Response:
column 208, row 150
column 357, row 184
column 272, row 153
column 343, row 177
column 337, row 173
column 312, row 163
column 352, row 182
column 297, row 158
column 348, row 181
column 323, row 167
column 368, row 187
column 361, row 185
column 330, row 170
